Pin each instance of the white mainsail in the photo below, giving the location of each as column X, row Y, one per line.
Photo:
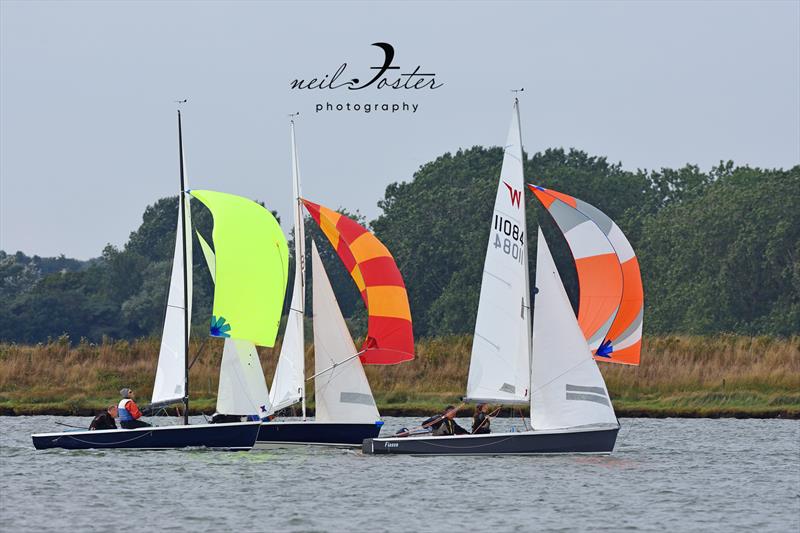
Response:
column 288, row 384
column 242, row 387
column 170, row 375
column 499, row 370
column 342, row 392
column 567, row 387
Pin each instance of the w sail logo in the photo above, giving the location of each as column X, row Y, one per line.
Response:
column 516, row 196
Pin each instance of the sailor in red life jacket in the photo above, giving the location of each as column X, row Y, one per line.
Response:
column 129, row 413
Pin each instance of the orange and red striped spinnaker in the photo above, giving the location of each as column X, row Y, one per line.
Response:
column 611, row 300
column 390, row 338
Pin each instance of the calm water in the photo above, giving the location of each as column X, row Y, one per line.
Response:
column 673, row 474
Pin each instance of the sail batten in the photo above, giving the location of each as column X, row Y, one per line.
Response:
column 500, row 362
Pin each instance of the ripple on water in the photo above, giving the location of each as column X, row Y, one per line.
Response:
column 665, row 474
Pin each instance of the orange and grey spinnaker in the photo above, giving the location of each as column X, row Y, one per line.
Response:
column 611, row 301
column 390, row 339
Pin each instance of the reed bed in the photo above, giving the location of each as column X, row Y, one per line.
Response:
column 724, row 375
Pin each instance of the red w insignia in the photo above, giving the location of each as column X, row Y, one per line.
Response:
column 516, row 196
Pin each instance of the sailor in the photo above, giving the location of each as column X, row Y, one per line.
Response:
column 105, row 420
column 448, row 426
column 129, row 413
column 481, row 421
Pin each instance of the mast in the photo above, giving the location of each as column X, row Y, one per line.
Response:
column 299, row 259
column 528, row 327
column 182, row 212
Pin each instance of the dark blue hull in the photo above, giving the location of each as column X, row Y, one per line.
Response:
column 587, row 440
column 238, row 436
column 311, row 433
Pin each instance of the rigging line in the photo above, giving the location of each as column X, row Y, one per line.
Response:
column 335, row 365
column 199, row 352
column 70, row 426
column 522, row 416
column 630, row 427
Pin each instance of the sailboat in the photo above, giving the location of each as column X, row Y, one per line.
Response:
column 553, row 368
column 346, row 413
column 250, row 271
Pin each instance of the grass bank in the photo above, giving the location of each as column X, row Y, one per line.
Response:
column 726, row 375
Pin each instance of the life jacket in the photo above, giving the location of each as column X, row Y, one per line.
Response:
column 124, row 414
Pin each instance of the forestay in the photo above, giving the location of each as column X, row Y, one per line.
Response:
column 568, row 389
column 500, row 364
column 342, row 393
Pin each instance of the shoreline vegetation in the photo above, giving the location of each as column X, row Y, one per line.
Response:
column 680, row 376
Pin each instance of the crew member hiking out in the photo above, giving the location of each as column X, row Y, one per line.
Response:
column 129, row 413
column 105, row 420
column 448, row 426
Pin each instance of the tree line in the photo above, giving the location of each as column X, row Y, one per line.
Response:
column 719, row 251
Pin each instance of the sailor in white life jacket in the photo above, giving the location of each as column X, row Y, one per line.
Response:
column 129, row 413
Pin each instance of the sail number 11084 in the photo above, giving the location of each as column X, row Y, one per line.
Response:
column 508, row 237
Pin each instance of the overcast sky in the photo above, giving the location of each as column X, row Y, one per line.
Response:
column 88, row 135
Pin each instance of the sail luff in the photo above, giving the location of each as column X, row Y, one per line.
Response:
column 500, row 361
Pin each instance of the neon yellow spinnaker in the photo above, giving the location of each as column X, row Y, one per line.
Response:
column 252, row 260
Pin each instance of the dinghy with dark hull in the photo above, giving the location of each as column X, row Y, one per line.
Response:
column 233, row 437
column 346, row 413
column 313, row 433
column 598, row 440
column 249, row 270
column 552, row 367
